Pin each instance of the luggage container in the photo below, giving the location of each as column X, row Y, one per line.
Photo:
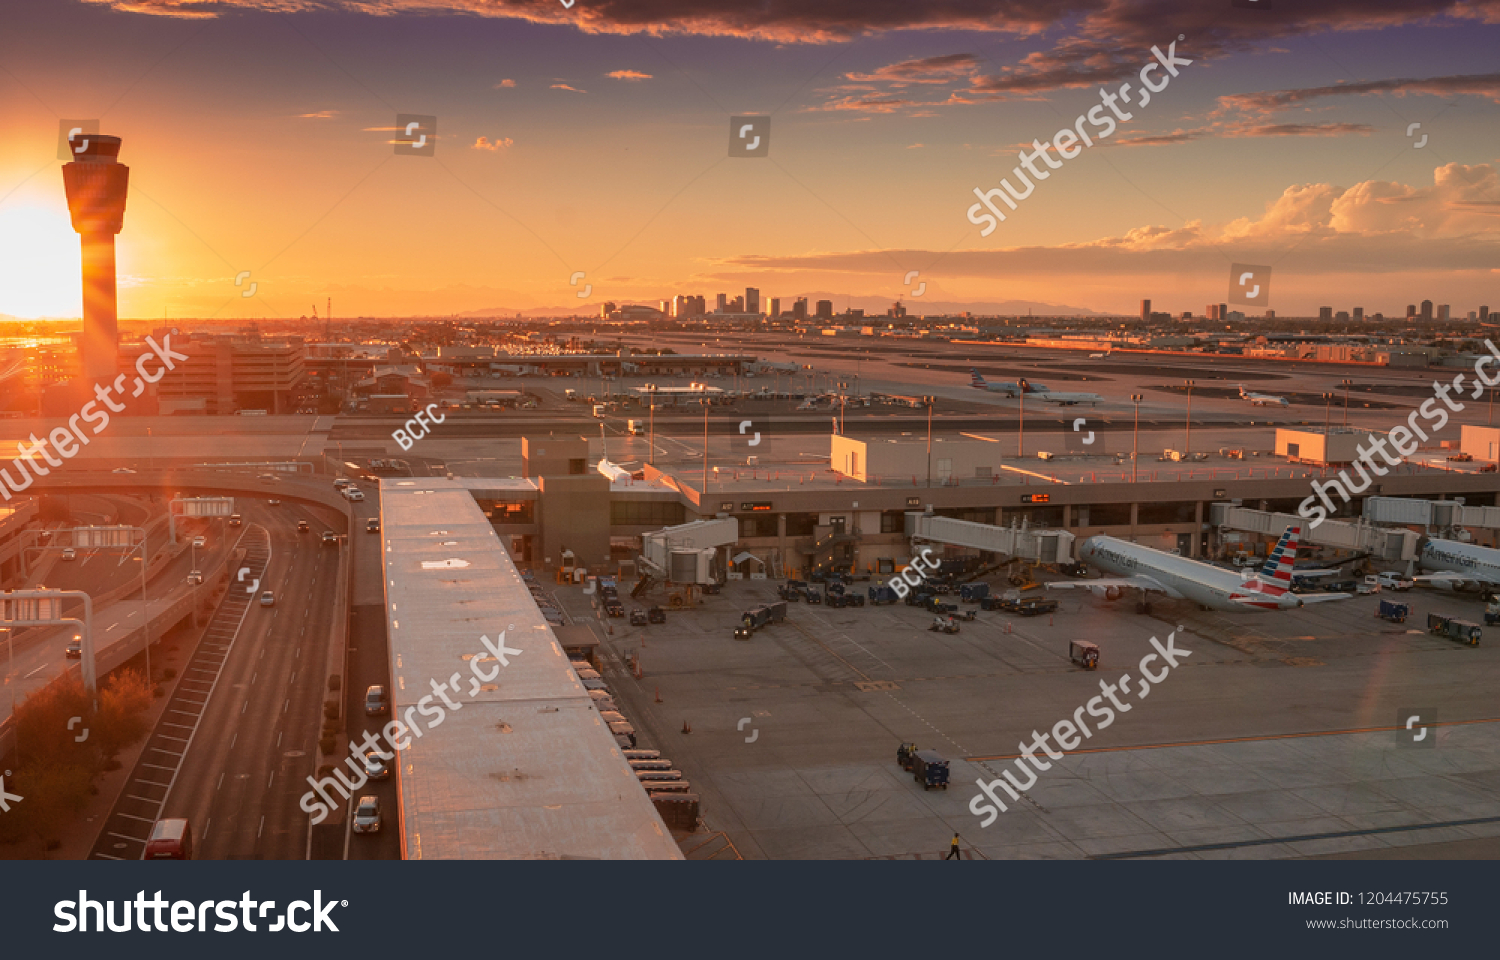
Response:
column 623, row 730
column 1453, row 628
column 1084, row 654
column 667, row 786
column 881, row 595
column 653, row 776
column 650, row 764
column 973, row 592
column 642, row 754
column 929, row 769
column 679, row 811
column 1396, row 612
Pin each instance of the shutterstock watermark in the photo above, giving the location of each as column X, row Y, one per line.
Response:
column 399, row 733
column 1066, row 141
column 1066, row 731
column 67, row 441
column 1403, row 439
column 913, row 576
column 417, row 427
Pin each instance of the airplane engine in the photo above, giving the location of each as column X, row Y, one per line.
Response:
column 1110, row 593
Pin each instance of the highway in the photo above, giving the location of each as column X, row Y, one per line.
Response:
column 235, row 756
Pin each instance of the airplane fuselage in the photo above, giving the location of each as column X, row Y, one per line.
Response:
column 1482, row 563
column 1203, row 583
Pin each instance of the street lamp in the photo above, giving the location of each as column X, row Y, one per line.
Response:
column 1346, row 384
column 1021, row 424
column 704, row 401
column 1187, row 442
column 1327, row 409
column 929, row 401
column 1135, row 435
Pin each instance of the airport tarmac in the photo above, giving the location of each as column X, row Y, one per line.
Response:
column 1276, row 737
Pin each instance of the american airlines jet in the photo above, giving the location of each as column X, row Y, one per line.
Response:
column 1181, row 578
column 1462, row 566
column 980, row 383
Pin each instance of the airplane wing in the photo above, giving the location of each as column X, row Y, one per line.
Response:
column 1450, row 576
column 1139, row 582
column 1307, row 598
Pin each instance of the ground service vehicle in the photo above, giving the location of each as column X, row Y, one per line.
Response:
column 904, row 753
column 171, row 839
column 638, row 617
column 1393, row 581
column 753, row 619
column 656, row 615
column 1394, row 612
column 1454, row 629
column 1035, row 606
column 1084, row 654
column 1492, row 613
column 973, row 592
column 944, row 625
column 992, row 603
column 929, row 769
column 881, row 595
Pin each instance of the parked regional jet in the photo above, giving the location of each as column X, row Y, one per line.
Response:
column 1260, row 399
column 1181, row 578
column 1462, row 566
column 1046, row 395
column 980, row 383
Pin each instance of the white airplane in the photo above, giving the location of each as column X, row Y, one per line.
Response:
column 1181, row 578
column 980, row 383
column 1046, row 395
column 1461, row 566
column 1260, row 399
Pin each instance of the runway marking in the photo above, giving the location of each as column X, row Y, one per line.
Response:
column 1271, row 736
column 1262, row 841
column 131, row 796
column 128, row 816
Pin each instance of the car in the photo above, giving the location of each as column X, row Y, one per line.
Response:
column 200, row 542
column 341, row 483
column 267, row 478
column 235, row 520
column 1393, row 581
column 367, row 815
column 69, row 553
column 372, row 525
column 329, row 537
column 122, row 470
column 376, row 766
column 375, row 702
column 171, row 839
column 656, row 615
column 302, row 526
column 195, row 577
column 273, row 503
column 74, row 649
column 268, row 599
column 638, row 618
column 354, row 494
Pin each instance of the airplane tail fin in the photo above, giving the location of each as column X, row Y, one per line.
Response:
column 1026, row 386
column 1279, row 564
column 975, row 380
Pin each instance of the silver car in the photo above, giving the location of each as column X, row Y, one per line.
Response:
column 367, row 815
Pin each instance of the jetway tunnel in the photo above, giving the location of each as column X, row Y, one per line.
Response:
column 1386, row 543
column 1046, row 546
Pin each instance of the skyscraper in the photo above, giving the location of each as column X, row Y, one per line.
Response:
column 825, row 309
column 721, row 302
column 1145, row 311
column 1325, row 313
column 1359, row 314
column 799, row 309
column 1484, row 313
column 775, row 310
column 1426, row 309
column 96, row 185
column 1442, row 313
column 752, row 300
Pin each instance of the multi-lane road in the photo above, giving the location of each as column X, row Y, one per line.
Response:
column 235, row 748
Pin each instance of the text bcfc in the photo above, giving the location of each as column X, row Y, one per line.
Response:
column 417, row 427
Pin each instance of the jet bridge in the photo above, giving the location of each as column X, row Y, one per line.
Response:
column 1046, row 546
column 687, row 553
column 1361, row 537
column 1434, row 515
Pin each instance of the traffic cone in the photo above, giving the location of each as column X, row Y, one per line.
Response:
column 687, row 727
column 637, row 669
column 658, row 694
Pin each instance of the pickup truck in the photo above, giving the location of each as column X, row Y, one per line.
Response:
column 1391, row 581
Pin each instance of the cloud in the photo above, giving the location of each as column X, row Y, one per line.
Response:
column 484, row 143
column 505, row 84
column 944, row 69
column 628, row 75
column 564, row 86
column 1374, row 227
column 1300, row 130
column 320, row 115
column 1485, row 85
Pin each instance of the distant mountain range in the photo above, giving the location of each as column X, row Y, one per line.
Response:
column 872, row 306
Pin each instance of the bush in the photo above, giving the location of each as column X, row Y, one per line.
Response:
column 330, row 709
column 327, row 745
column 169, row 673
column 335, row 683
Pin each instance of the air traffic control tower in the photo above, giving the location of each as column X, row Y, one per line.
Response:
column 96, row 183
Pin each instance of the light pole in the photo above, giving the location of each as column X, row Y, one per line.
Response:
column 704, row 401
column 1021, row 425
column 1135, row 434
column 1327, row 412
column 651, row 431
column 1187, row 441
column 929, row 401
column 1346, row 384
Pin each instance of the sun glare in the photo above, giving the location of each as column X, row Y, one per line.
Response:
column 38, row 261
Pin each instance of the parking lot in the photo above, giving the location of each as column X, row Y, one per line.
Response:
column 1275, row 738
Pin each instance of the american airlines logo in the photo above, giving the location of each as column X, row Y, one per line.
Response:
column 1454, row 558
column 1117, row 557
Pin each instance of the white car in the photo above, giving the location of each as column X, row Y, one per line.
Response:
column 354, row 495
column 1393, row 581
column 200, row 542
column 268, row 599
column 69, row 553
column 367, row 815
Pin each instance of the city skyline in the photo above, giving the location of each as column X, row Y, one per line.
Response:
column 260, row 142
